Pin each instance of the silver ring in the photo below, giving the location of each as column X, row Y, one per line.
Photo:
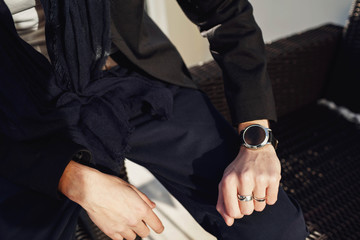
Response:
column 246, row 198
column 259, row 199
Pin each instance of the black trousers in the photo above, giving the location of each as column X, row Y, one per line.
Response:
column 187, row 154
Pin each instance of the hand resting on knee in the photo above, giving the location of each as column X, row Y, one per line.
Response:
column 115, row 206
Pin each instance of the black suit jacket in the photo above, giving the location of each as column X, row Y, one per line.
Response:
column 235, row 42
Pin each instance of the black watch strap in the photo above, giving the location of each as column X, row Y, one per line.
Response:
column 273, row 140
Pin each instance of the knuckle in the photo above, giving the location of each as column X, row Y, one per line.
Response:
column 222, row 185
column 274, row 179
column 245, row 178
column 261, row 179
column 115, row 227
column 133, row 222
column 146, row 210
column 227, row 179
column 120, row 228
column 142, row 210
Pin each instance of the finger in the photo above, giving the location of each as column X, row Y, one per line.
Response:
column 129, row 235
column 229, row 192
column 142, row 230
column 220, row 204
column 144, row 197
column 221, row 209
column 154, row 222
column 246, row 189
column 272, row 193
column 259, row 193
column 228, row 220
column 117, row 236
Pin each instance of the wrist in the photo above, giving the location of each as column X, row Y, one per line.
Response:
column 262, row 122
column 256, row 135
column 266, row 148
column 74, row 180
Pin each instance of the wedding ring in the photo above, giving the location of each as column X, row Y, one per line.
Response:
column 259, row 199
column 245, row 198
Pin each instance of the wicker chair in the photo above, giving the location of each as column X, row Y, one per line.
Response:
column 319, row 149
column 319, row 168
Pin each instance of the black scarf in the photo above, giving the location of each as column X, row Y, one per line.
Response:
column 38, row 98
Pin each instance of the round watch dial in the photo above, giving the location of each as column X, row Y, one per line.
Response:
column 255, row 136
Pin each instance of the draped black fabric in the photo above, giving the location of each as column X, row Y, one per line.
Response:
column 78, row 41
column 73, row 93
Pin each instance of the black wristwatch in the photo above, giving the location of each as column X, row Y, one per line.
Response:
column 256, row 136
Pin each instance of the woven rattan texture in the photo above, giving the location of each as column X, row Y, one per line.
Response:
column 319, row 150
column 209, row 79
column 296, row 82
column 299, row 65
column 290, row 58
column 320, row 156
column 82, row 234
column 345, row 76
column 352, row 37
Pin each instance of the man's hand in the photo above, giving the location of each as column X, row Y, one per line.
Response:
column 116, row 207
column 253, row 172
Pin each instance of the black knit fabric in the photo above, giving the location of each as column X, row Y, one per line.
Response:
column 72, row 97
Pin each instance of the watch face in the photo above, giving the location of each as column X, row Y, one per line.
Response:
column 255, row 136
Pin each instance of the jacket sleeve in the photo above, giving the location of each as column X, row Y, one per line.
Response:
column 35, row 142
column 37, row 163
column 237, row 45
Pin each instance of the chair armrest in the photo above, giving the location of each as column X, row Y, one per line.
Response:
column 297, row 65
